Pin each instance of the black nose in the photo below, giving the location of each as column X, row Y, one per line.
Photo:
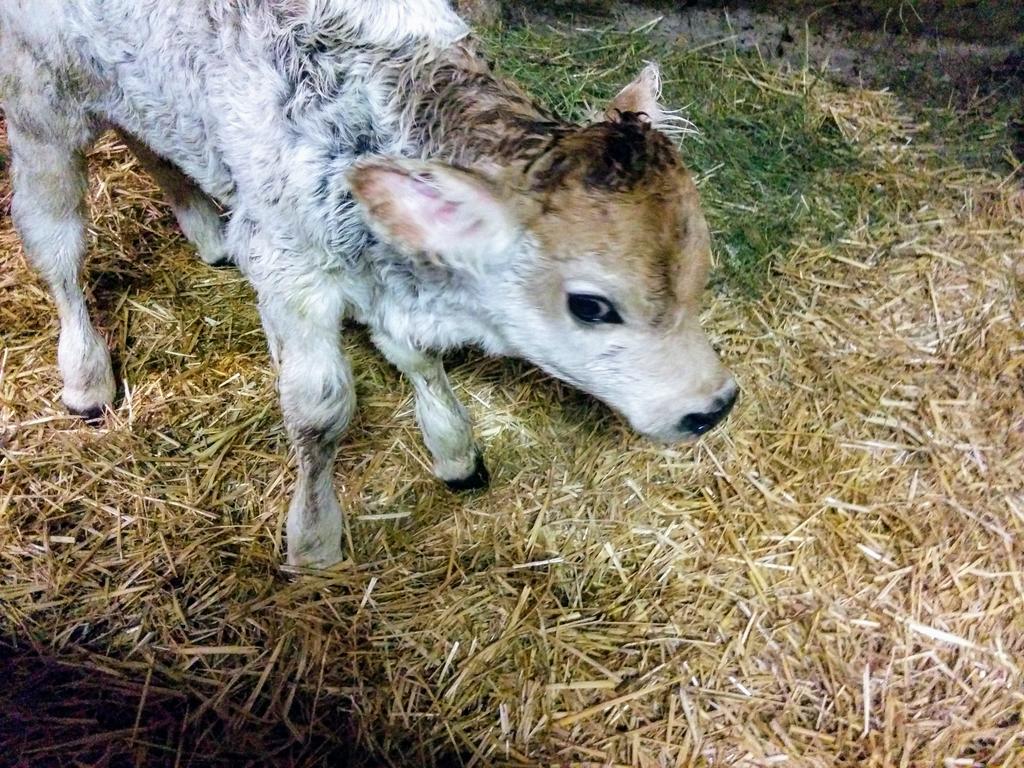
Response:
column 699, row 423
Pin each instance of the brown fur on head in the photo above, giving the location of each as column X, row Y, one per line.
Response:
column 614, row 197
column 614, row 155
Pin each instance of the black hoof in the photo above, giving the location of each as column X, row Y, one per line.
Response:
column 226, row 263
column 91, row 416
column 477, row 480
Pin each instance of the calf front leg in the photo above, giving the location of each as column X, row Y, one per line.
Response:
column 49, row 179
column 444, row 421
column 317, row 400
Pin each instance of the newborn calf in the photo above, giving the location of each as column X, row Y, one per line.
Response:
column 374, row 167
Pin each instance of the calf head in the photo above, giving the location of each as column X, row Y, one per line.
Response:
column 588, row 256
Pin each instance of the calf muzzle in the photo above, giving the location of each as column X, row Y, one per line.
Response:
column 696, row 424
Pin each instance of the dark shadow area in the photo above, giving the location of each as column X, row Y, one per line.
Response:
column 59, row 712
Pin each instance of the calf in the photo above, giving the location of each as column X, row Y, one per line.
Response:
column 373, row 167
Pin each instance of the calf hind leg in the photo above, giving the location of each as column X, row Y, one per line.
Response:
column 48, row 209
column 197, row 216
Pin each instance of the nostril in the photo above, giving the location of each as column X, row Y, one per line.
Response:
column 699, row 423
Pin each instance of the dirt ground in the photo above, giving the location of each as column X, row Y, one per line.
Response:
column 988, row 21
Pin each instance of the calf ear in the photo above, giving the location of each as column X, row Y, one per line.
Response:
column 642, row 96
column 450, row 216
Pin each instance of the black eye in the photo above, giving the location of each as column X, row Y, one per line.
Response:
column 592, row 310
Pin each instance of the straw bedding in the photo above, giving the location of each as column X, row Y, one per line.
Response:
column 836, row 577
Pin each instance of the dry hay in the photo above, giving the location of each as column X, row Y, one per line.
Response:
column 835, row 578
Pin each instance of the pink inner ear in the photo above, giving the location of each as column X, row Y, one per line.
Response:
column 432, row 203
column 425, row 189
column 446, row 212
column 441, row 211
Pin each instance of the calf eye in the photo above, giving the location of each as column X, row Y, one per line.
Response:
column 592, row 310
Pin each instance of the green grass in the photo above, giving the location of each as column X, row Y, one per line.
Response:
column 760, row 156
